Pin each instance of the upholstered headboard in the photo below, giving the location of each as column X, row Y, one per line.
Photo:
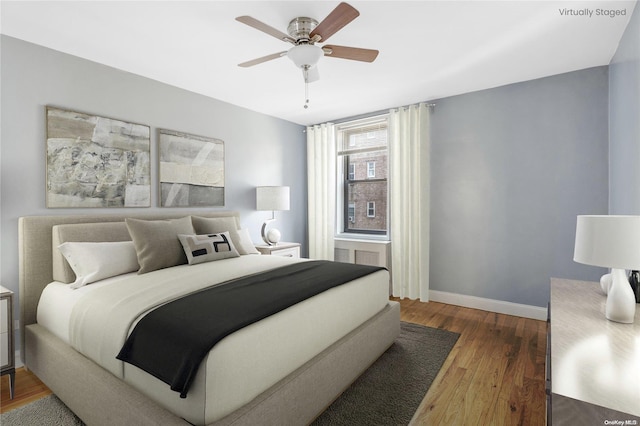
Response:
column 40, row 263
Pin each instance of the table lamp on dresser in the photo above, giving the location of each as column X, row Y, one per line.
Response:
column 611, row 242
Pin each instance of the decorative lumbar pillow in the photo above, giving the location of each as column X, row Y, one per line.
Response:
column 206, row 248
column 92, row 262
column 216, row 225
column 245, row 245
column 156, row 242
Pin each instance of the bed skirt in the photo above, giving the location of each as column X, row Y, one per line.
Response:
column 99, row 398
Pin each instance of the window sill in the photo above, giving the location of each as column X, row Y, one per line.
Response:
column 380, row 239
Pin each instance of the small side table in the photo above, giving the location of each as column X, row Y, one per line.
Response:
column 7, row 353
column 281, row 249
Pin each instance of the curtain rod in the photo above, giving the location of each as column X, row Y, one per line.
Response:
column 429, row 105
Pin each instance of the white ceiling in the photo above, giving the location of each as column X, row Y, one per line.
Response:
column 428, row 49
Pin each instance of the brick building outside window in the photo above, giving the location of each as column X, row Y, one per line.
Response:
column 364, row 166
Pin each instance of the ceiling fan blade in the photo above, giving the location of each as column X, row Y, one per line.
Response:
column 335, row 21
column 263, row 59
column 261, row 26
column 353, row 53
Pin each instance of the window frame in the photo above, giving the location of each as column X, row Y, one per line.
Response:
column 343, row 173
column 371, row 168
column 371, row 205
column 351, row 218
column 351, row 173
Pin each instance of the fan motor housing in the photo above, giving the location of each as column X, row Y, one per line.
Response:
column 300, row 28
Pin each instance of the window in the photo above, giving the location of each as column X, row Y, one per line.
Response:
column 362, row 177
column 352, row 171
column 371, row 209
column 371, row 169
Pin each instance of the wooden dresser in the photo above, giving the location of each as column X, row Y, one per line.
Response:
column 593, row 364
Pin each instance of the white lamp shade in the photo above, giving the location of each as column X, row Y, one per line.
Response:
column 272, row 198
column 305, row 54
column 608, row 241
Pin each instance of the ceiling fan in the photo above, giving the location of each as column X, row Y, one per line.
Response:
column 304, row 34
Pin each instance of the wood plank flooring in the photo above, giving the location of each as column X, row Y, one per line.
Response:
column 493, row 376
column 28, row 388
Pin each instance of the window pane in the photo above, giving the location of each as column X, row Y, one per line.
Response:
column 352, row 171
column 368, row 165
column 358, row 139
column 360, row 195
column 362, row 155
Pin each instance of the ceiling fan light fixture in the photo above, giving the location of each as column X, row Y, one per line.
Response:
column 305, row 55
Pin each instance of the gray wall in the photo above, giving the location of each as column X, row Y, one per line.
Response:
column 259, row 150
column 624, row 122
column 511, row 167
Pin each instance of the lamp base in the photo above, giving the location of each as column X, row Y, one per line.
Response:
column 605, row 283
column 621, row 302
column 272, row 236
column 634, row 280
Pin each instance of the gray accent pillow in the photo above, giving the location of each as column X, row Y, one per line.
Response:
column 156, row 242
column 217, row 225
column 207, row 248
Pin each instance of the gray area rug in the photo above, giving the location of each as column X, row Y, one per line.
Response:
column 47, row 411
column 388, row 393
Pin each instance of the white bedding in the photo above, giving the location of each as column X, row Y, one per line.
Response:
column 96, row 320
column 57, row 302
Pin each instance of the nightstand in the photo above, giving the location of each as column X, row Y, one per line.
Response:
column 281, row 249
column 7, row 354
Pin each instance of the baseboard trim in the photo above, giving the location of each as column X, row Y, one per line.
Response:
column 491, row 305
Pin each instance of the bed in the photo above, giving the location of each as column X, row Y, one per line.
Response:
column 336, row 335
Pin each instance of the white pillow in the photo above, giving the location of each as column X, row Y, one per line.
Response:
column 246, row 245
column 206, row 248
column 92, row 262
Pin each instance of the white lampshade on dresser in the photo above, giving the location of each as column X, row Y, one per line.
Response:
column 611, row 242
column 271, row 198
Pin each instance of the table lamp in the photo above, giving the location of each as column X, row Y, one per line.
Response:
column 271, row 198
column 611, row 242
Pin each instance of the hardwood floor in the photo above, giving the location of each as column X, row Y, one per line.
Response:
column 28, row 388
column 493, row 376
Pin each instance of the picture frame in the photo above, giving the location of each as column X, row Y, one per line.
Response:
column 191, row 170
column 96, row 162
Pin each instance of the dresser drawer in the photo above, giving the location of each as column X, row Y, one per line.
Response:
column 282, row 249
column 7, row 361
column 4, row 350
column 287, row 252
column 4, row 315
column 6, row 334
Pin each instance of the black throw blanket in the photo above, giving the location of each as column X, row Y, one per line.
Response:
column 171, row 341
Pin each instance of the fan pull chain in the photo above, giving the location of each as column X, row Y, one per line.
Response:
column 305, row 73
column 306, row 94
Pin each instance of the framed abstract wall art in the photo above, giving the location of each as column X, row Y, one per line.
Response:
column 191, row 170
column 94, row 161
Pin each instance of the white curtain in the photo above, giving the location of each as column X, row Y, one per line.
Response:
column 409, row 200
column 321, row 166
